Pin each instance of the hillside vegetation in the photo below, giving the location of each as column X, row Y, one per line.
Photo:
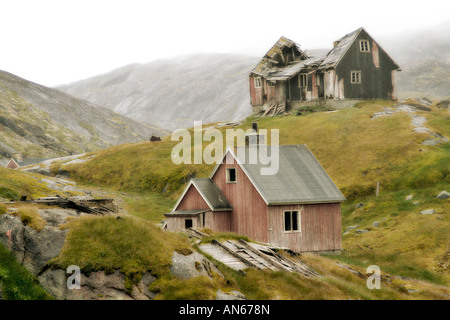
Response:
column 357, row 150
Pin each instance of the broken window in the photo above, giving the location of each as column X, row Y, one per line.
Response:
column 356, row 77
column 257, row 82
column 291, row 221
column 231, row 175
column 302, row 80
column 364, row 45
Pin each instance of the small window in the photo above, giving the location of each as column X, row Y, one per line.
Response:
column 364, row 45
column 231, row 175
column 291, row 221
column 257, row 82
column 188, row 223
column 356, row 77
column 270, row 84
column 302, row 80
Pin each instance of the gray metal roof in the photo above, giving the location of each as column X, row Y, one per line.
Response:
column 211, row 194
column 300, row 178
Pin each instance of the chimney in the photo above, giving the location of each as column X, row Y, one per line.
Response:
column 18, row 157
column 254, row 138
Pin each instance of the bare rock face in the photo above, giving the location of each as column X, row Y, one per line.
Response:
column 34, row 248
column 96, row 286
column 193, row 265
column 232, row 295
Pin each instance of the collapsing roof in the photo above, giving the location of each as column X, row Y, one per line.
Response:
column 282, row 53
column 305, row 62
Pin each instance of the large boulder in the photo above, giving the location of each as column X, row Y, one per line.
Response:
column 443, row 195
column 34, row 248
column 96, row 286
column 192, row 265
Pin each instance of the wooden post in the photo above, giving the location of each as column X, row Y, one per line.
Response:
column 378, row 188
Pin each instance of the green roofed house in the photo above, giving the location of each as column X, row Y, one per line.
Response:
column 298, row 207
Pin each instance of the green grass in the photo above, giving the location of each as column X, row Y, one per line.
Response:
column 128, row 244
column 14, row 184
column 16, row 282
column 356, row 152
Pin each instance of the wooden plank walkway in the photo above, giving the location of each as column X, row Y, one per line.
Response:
column 220, row 254
column 241, row 255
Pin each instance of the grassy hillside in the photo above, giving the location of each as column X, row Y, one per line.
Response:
column 356, row 150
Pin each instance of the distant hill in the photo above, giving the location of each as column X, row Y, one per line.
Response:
column 174, row 93
column 42, row 122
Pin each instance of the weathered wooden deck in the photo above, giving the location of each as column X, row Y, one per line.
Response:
column 240, row 255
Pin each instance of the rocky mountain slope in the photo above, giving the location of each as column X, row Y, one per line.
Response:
column 42, row 122
column 174, row 93
column 424, row 56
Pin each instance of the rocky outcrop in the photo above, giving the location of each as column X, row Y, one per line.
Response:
column 96, row 286
column 192, row 265
column 34, row 248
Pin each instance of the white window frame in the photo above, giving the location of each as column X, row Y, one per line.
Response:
column 364, row 45
column 258, row 82
column 355, row 77
column 228, row 175
column 291, row 224
column 300, row 81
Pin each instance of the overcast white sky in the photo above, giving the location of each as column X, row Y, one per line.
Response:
column 54, row 42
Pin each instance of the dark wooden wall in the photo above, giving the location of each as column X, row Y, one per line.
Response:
column 376, row 82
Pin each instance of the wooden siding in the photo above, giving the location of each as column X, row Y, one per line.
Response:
column 249, row 216
column 192, row 200
column 12, row 164
column 256, row 94
column 320, row 227
column 218, row 221
column 178, row 223
column 375, row 66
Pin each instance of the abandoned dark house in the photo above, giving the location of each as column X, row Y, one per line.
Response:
column 356, row 68
column 296, row 208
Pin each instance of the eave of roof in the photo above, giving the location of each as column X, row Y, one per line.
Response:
column 185, row 213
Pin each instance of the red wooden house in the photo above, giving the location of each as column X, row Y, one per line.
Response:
column 297, row 208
